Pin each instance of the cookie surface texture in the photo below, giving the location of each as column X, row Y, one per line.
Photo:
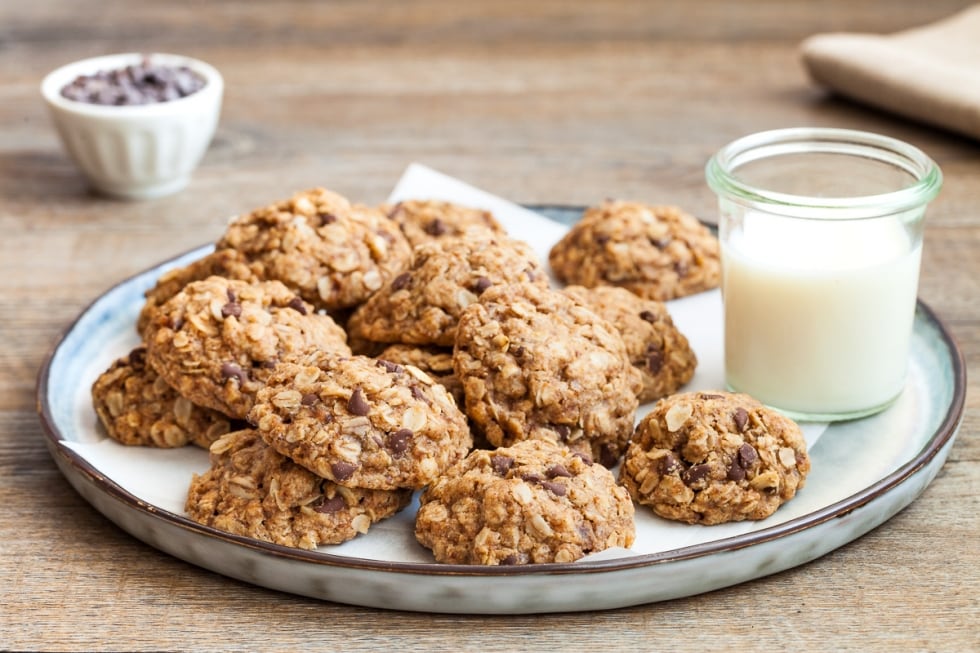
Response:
column 657, row 252
column 534, row 502
column 254, row 491
column 437, row 362
column 657, row 349
column 709, row 458
column 425, row 220
column 137, row 407
column 217, row 340
column 536, row 363
column 333, row 253
column 422, row 305
column 362, row 422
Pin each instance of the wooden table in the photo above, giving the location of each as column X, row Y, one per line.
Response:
column 544, row 101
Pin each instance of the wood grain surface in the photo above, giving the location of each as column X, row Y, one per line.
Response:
column 546, row 101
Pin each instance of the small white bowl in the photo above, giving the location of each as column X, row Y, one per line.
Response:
column 135, row 151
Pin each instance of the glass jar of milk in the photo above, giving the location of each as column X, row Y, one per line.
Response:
column 821, row 238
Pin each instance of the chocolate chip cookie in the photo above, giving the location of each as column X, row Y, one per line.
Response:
column 422, row 304
column 657, row 252
column 537, row 363
column 228, row 263
column 137, row 407
column 709, row 458
column 217, row 340
column 425, row 220
column 656, row 348
column 533, row 502
column 254, row 491
column 361, row 422
column 334, row 254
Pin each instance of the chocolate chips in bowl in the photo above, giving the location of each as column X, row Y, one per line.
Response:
column 136, row 125
column 146, row 82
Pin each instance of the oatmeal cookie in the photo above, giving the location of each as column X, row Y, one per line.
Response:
column 709, row 458
column 228, row 263
column 536, row 363
column 437, row 362
column 137, row 407
column 534, row 502
column 425, row 220
column 422, row 305
column 332, row 253
column 657, row 252
column 361, row 422
column 656, row 348
column 254, row 491
column 217, row 340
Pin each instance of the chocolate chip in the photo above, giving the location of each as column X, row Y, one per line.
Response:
column 267, row 365
column 585, row 458
column 736, row 472
column 601, row 239
column 328, row 506
column 555, row 488
column 669, row 464
column 501, row 464
column 515, row 559
column 418, row 394
column 342, row 470
column 297, row 305
column 481, row 284
column 649, row 316
column 232, row 297
column 142, row 83
column 358, row 405
column 696, row 473
column 519, row 352
column 231, row 309
column 707, row 396
column 176, row 323
column 436, row 228
column 563, row 431
column 309, row 399
column 397, row 442
column 393, row 368
column 681, row 268
column 402, row 281
column 607, row 456
column 233, row 371
column 532, row 477
column 326, row 218
column 655, row 359
column 741, row 417
column 557, row 470
column 747, row 455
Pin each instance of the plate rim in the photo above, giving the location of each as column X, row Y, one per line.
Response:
column 935, row 443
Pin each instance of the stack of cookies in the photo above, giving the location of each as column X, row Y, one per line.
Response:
column 336, row 357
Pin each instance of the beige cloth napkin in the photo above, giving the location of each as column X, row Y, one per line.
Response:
column 929, row 73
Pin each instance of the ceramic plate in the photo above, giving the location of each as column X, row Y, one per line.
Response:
column 863, row 472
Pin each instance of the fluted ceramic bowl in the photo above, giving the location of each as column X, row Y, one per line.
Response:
column 135, row 151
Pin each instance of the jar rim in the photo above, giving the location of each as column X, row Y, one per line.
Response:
column 720, row 169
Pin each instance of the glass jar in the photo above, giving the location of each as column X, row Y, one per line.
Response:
column 821, row 240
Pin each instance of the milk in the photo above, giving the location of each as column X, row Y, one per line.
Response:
column 818, row 313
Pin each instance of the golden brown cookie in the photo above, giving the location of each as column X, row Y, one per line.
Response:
column 657, row 252
column 537, row 363
column 533, row 502
column 334, row 254
column 361, row 422
column 137, row 407
column 254, row 491
column 217, row 340
column 709, row 458
column 228, row 263
column 422, row 304
column 425, row 220
column 656, row 348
